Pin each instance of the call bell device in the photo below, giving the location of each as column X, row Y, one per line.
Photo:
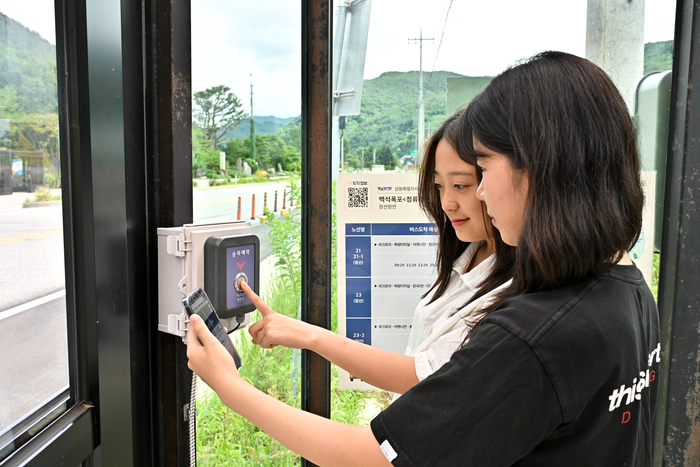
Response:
column 183, row 266
column 229, row 261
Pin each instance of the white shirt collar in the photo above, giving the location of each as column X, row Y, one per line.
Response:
column 473, row 278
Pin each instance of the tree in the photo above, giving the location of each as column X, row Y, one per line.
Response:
column 218, row 114
column 291, row 133
column 204, row 156
column 386, row 157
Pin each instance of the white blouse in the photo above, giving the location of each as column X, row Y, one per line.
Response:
column 460, row 287
column 438, row 331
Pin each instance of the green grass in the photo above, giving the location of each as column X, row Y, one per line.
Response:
column 225, row 438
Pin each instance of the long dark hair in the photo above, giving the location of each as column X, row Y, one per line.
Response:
column 449, row 246
column 561, row 120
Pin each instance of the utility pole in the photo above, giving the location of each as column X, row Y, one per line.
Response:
column 421, row 107
column 252, row 121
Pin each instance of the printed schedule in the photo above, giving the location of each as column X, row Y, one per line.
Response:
column 387, row 253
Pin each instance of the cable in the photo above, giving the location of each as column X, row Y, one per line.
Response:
column 240, row 323
column 439, row 44
column 191, row 414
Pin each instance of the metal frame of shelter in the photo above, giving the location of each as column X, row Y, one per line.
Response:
column 124, row 69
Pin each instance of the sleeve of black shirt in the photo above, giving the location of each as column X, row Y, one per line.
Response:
column 489, row 405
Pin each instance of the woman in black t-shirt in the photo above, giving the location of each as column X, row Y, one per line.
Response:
column 563, row 369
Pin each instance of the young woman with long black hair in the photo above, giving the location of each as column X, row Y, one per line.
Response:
column 473, row 264
column 562, row 369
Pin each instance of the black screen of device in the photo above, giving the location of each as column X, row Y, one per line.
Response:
column 202, row 307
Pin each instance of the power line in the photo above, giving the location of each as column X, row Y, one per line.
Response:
column 444, row 26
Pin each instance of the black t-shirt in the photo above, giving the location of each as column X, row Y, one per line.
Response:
column 563, row 377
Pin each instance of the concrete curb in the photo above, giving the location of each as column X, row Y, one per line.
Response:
column 41, row 204
column 254, row 222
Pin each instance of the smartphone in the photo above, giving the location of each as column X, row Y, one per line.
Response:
column 198, row 303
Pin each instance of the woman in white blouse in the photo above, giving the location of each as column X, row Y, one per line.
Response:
column 472, row 262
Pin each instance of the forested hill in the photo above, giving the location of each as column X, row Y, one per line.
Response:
column 264, row 124
column 27, row 70
column 389, row 110
column 658, row 56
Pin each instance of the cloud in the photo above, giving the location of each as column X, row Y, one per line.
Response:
column 231, row 41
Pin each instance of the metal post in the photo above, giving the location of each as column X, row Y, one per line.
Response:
column 316, row 193
column 421, row 104
column 238, row 215
column 252, row 211
column 677, row 426
column 169, row 78
column 275, row 200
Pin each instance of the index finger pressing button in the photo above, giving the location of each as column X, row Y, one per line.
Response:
column 240, row 277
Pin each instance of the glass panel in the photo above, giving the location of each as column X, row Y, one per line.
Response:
column 422, row 61
column 34, row 368
column 247, row 58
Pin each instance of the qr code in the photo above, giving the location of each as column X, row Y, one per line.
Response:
column 358, row 197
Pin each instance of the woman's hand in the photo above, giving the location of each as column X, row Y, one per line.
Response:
column 209, row 359
column 276, row 329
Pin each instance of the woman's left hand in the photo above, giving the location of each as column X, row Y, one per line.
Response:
column 209, row 359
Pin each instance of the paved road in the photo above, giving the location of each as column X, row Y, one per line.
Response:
column 34, row 365
column 31, row 248
column 220, row 204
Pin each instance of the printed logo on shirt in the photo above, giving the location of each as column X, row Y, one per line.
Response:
column 633, row 392
column 388, row 451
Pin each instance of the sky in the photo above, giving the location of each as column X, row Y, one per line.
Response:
column 234, row 42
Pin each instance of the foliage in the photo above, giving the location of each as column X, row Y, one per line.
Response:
column 291, row 133
column 285, row 242
column 658, row 56
column 655, row 276
column 224, row 438
column 253, row 179
column 270, row 151
column 28, row 78
column 219, row 112
column 386, row 158
column 204, row 156
column 33, row 132
column 10, row 107
column 43, row 194
column 52, row 178
column 238, row 148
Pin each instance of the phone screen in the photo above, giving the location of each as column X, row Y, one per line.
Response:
column 198, row 303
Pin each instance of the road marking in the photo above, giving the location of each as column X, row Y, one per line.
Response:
column 30, row 235
column 33, row 304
